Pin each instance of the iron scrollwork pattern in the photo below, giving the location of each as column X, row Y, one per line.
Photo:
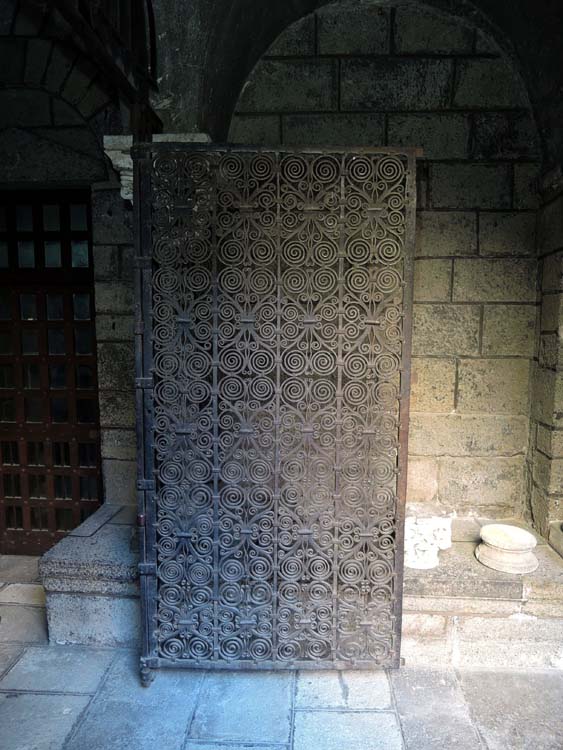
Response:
column 278, row 296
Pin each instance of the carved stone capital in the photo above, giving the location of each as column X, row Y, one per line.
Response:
column 424, row 538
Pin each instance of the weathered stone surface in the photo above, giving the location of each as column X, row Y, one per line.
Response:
column 120, row 444
column 93, row 620
column 432, row 280
column 494, row 280
column 120, row 481
column 550, row 441
column 18, row 569
column 525, row 713
column 78, row 81
column 509, row 330
column 114, row 327
column 423, row 624
column 468, row 484
column 445, row 330
column 9, row 653
column 59, row 67
column 507, row 233
column 106, row 265
column 31, row 594
column 111, row 219
column 425, row 537
column 353, row 31
column 22, row 624
column 550, row 312
column 441, row 136
column 467, row 435
column 12, row 53
column 333, row 730
column 422, row 484
column 525, row 185
column 403, row 83
column 116, row 366
column 445, row 233
column 549, row 350
column 433, row 384
column 117, row 409
column 495, row 386
column 424, row 693
column 355, row 129
column 114, row 297
column 350, row 689
column 552, row 275
column 236, row 710
column 419, row 30
column 454, row 605
column 40, row 722
column 287, row 85
column 505, row 135
column 297, row 39
column 471, row 186
column 548, row 473
column 59, row 669
column 488, row 83
column 24, row 108
column 547, row 396
column 551, row 226
column 38, row 51
column 64, row 114
column 127, row 715
column 255, row 130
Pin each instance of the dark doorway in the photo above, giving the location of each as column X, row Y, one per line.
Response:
column 49, row 422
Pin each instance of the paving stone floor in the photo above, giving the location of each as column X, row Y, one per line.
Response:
column 78, row 698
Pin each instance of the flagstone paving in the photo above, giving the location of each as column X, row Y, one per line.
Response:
column 84, row 698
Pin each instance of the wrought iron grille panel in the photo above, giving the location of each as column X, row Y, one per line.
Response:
column 275, row 288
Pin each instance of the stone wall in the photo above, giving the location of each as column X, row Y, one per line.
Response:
column 354, row 75
column 547, row 403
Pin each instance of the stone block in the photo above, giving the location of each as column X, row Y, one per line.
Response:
column 59, row 67
column 549, row 350
column 106, row 266
column 58, row 669
column 422, row 483
column 78, row 81
column 552, row 273
column 116, row 366
column 488, row 83
column 9, row 654
column 334, row 730
column 550, row 441
column 120, row 480
column 433, row 384
column 235, row 711
column 551, row 227
column 445, row 233
column 550, row 312
column 64, row 114
column 547, row 396
column 117, row 409
column 354, row 129
column 548, row 473
column 441, row 136
column 471, row 186
column 494, row 486
column 350, row 689
column 12, row 52
column 38, row 51
column 432, row 280
column 350, row 30
column 434, row 653
column 24, row 108
column 41, row 722
column 259, row 130
column 505, row 135
column 446, row 330
column 525, row 185
column 119, row 444
column 31, row 594
column 112, row 220
column 453, row 605
column 114, row 298
column 114, row 327
column 402, row 83
column 498, row 280
column 495, row 386
column 282, row 85
column 18, row 569
column 22, row 624
column 423, row 624
column 509, row 330
column 485, row 44
column 298, row 39
column 419, row 31
column 467, row 435
column 94, row 100
column 435, row 692
column 517, row 627
column 507, row 233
